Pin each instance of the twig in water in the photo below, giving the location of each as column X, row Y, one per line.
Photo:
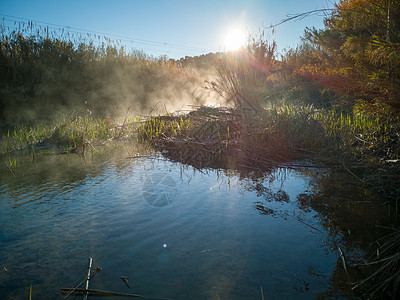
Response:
column 125, row 280
column 351, row 172
column 343, row 259
column 88, row 279
column 101, row 293
column 301, row 221
column 139, row 156
column 10, row 169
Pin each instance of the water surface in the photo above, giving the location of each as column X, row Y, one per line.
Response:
column 176, row 232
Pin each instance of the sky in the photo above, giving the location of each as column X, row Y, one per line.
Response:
column 173, row 28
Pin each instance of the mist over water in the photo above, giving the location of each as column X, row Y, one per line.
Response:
column 120, row 91
column 55, row 77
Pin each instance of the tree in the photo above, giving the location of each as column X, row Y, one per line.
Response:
column 357, row 52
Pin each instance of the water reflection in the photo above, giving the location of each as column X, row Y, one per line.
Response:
column 178, row 232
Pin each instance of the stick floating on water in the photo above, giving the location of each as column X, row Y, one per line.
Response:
column 88, row 279
column 76, row 291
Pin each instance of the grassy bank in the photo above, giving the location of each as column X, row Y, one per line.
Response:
column 366, row 146
column 279, row 134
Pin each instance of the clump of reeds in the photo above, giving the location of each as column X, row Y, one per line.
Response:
column 244, row 76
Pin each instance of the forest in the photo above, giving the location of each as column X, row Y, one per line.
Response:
column 335, row 99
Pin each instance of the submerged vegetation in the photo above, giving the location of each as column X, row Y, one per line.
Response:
column 334, row 99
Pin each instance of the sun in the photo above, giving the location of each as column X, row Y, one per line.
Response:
column 234, row 39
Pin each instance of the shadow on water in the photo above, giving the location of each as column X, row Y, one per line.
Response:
column 177, row 231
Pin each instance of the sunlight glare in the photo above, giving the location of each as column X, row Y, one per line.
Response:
column 234, row 39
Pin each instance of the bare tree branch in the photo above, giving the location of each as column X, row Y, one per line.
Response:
column 300, row 16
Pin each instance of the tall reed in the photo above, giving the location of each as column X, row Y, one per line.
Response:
column 244, row 75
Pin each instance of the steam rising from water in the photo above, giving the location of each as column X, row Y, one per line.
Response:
column 117, row 90
column 158, row 91
column 50, row 74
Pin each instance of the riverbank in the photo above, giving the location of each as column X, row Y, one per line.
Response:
column 209, row 137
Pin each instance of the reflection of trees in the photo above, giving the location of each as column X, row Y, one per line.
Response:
column 349, row 213
column 335, row 205
column 348, row 208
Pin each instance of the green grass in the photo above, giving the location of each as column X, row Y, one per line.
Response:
column 159, row 127
column 362, row 135
column 68, row 133
column 23, row 136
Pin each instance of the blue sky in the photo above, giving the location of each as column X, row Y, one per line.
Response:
column 172, row 28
